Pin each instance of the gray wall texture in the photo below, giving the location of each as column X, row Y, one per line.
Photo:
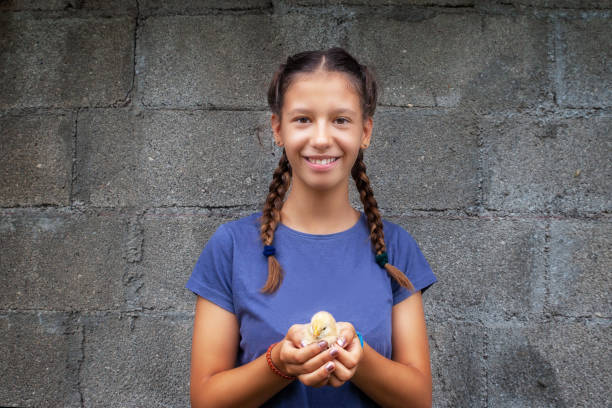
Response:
column 129, row 132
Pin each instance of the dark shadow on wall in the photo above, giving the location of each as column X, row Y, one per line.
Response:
column 526, row 378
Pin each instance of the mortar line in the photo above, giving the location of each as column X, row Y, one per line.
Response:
column 480, row 169
column 559, row 66
column 547, row 239
column 566, row 111
column 485, row 341
column 129, row 94
column 81, row 361
column 73, row 157
column 200, row 211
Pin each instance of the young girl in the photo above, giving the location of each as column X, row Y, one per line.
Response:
column 259, row 279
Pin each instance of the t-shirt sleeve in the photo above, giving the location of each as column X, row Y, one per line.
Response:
column 211, row 277
column 408, row 258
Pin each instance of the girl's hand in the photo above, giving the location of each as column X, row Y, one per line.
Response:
column 311, row 364
column 349, row 354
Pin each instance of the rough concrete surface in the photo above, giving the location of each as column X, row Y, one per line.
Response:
column 36, row 163
column 166, row 158
column 131, row 129
column 548, row 163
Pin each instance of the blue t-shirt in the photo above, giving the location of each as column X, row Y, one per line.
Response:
column 333, row 272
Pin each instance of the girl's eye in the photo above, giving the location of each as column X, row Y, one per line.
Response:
column 343, row 119
column 304, row 119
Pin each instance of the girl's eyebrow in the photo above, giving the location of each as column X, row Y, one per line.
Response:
column 335, row 111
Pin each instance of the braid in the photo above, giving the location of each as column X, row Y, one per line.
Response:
column 370, row 207
column 271, row 217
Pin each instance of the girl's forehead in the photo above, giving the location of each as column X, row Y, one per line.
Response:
column 320, row 77
column 329, row 85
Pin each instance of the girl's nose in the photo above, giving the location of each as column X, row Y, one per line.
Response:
column 322, row 137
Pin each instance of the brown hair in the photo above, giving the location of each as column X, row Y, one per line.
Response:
column 335, row 59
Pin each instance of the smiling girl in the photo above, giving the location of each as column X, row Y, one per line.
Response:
column 260, row 278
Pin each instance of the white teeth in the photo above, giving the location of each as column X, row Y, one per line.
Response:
column 323, row 161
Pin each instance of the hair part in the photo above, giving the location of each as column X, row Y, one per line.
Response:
column 362, row 80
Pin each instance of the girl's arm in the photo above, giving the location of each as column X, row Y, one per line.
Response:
column 403, row 381
column 214, row 380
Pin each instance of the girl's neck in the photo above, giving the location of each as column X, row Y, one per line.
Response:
column 319, row 212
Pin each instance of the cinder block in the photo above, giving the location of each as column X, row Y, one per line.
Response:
column 222, row 60
column 136, row 361
column 557, row 164
column 61, row 261
column 457, row 367
column 560, row 364
column 65, row 63
column 580, row 259
column 585, row 51
column 40, row 359
column 423, row 160
column 166, row 158
column 487, row 270
column 428, row 59
column 36, row 164
column 172, row 242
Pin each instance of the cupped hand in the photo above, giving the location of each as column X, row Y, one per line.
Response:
column 348, row 357
column 311, row 364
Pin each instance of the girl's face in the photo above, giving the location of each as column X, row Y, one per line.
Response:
column 322, row 130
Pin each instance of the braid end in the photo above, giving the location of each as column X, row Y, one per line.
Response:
column 399, row 277
column 275, row 276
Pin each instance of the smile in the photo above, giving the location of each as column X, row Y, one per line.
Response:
column 322, row 161
column 322, row 164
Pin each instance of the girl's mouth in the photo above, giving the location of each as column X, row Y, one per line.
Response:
column 321, row 164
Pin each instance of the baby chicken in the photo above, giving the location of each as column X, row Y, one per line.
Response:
column 322, row 327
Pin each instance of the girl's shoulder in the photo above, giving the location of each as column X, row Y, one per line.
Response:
column 243, row 223
column 246, row 227
column 396, row 233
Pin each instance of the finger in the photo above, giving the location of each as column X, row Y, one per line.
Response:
column 298, row 356
column 334, row 381
column 318, row 376
column 324, row 383
column 314, row 363
column 346, row 332
column 351, row 355
column 320, row 359
column 317, row 385
column 296, row 333
column 341, row 372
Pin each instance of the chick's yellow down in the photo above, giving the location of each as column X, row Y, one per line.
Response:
column 322, row 327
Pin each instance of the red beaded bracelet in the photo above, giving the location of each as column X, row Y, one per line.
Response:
column 273, row 367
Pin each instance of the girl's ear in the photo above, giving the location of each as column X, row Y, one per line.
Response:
column 275, row 123
column 367, row 132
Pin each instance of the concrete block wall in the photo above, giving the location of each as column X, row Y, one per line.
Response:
column 130, row 129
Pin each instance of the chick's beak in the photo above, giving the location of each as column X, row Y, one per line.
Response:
column 316, row 330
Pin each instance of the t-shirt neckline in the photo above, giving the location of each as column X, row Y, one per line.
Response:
column 338, row 234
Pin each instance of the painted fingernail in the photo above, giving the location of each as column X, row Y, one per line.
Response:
column 323, row 344
column 303, row 343
column 329, row 366
column 333, row 352
column 341, row 341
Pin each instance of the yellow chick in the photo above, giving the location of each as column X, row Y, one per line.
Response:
column 322, row 327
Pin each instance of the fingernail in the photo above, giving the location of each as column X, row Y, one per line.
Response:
column 303, row 343
column 341, row 341
column 333, row 352
column 329, row 366
column 323, row 344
